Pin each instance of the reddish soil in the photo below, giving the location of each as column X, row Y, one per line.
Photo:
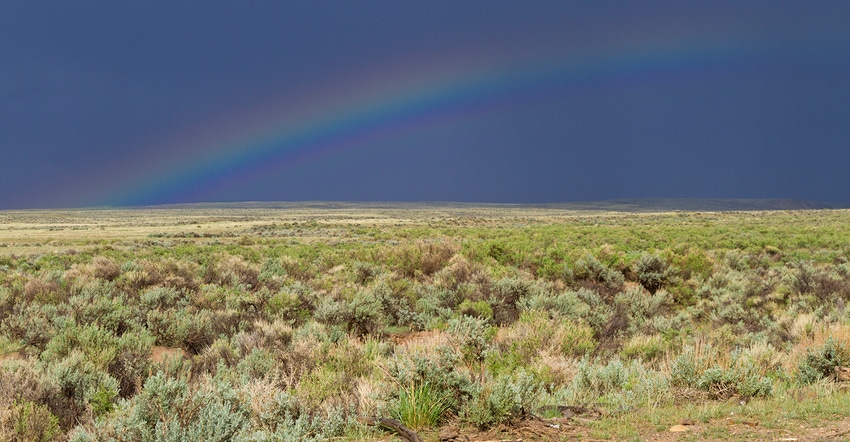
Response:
column 161, row 354
column 562, row 429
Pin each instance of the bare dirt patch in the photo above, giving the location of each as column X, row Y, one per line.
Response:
column 12, row 355
column 738, row 429
column 162, row 354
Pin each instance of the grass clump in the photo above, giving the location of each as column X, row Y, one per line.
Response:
column 421, row 406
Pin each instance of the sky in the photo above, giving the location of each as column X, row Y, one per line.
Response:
column 106, row 103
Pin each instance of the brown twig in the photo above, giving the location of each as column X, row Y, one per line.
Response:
column 393, row 425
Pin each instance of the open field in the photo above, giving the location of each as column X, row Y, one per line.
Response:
column 297, row 321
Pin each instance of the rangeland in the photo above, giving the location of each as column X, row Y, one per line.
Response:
column 461, row 322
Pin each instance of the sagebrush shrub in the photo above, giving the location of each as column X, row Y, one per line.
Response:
column 232, row 270
column 476, row 309
column 105, row 268
column 84, row 383
column 565, row 305
column 99, row 302
column 742, row 375
column 169, row 409
column 501, row 400
column 472, row 336
column 34, row 325
column 20, row 381
column 508, row 292
column 272, row 274
column 23, row 420
column 821, row 362
column 620, row 386
column 595, row 312
column 365, row 272
column 636, row 309
column 187, row 328
column 690, row 363
column 423, row 258
column 654, row 272
column 396, row 298
column 588, row 267
column 278, row 416
column 366, row 314
column 440, row 368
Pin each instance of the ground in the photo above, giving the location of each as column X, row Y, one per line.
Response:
column 716, row 430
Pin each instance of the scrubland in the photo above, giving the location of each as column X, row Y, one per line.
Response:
column 295, row 323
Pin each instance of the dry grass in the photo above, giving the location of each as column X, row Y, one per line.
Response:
column 813, row 335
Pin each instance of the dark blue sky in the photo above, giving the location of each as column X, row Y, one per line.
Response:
column 105, row 102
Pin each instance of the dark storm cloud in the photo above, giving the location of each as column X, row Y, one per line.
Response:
column 89, row 91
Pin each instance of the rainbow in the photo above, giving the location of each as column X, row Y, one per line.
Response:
column 281, row 140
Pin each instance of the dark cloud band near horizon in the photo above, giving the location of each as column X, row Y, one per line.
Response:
column 531, row 102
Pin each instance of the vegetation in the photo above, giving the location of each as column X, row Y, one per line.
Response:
column 290, row 324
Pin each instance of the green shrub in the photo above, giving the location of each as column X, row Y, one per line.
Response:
column 508, row 397
column 590, row 268
column 472, row 336
column 506, row 294
column 366, row 315
column 257, row 364
column 34, row 325
column 619, row 386
column 566, row 305
column 83, row 382
column 596, row 313
column 693, row 264
column 187, row 328
column 423, row 258
column 476, row 309
column 24, row 420
column 169, row 409
column 821, row 362
column 294, row 303
column 576, row 338
column 742, row 375
column 272, row 274
column 654, row 272
column 643, row 347
column 440, row 368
